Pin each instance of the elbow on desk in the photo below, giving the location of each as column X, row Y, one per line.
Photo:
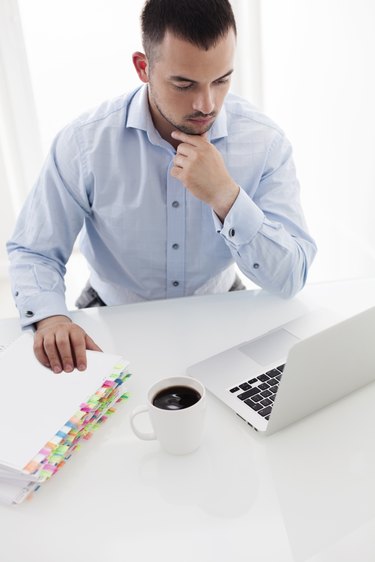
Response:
column 295, row 280
column 293, row 277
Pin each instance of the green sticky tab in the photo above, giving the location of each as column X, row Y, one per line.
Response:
column 45, row 474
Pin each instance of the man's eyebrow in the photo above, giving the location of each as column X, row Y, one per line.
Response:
column 185, row 79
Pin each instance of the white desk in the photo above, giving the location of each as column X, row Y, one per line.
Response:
column 306, row 493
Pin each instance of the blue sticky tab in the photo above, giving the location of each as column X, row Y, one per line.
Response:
column 61, row 434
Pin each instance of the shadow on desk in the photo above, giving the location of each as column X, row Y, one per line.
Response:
column 323, row 470
column 210, row 478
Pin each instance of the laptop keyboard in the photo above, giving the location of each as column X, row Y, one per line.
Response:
column 259, row 393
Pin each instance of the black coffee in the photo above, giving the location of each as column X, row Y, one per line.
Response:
column 176, row 398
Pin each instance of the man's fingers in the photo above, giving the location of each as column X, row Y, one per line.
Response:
column 62, row 346
column 185, row 149
column 49, row 344
column 179, row 161
column 194, row 140
column 90, row 344
column 40, row 354
column 176, row 171
column 64, row 349
column 78, row 344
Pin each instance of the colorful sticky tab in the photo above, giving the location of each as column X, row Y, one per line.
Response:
column 92, row 413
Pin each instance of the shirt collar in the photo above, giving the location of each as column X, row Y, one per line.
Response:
column 139, row 116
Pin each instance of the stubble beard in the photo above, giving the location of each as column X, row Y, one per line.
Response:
column 181, row 127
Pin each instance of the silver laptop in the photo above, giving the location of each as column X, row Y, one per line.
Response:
column 294, row 370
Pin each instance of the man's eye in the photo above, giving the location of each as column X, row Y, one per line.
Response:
column 187, row 87
column 220, row 82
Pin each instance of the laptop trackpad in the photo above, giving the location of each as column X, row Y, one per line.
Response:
column 270, row 348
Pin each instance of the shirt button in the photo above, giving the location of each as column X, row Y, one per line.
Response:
column 175, row 246
column 232, row 232
column 175, row 204
column 175, row 283
column 256, row 265
column 29, row 314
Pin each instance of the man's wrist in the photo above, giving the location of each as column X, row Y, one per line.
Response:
column 224, row 202
column 52, row 320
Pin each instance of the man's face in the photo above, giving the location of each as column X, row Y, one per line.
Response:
column 187, row 85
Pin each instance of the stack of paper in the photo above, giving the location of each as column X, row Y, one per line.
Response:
column 43, row 415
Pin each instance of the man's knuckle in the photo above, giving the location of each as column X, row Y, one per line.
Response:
column 38, row 342
column 48, row 343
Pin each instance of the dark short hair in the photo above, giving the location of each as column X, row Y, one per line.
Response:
column 201, row 22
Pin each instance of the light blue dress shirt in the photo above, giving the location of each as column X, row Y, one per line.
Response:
column 144, row 235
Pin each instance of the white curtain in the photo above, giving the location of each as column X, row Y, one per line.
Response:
column 247, row 77
column 319, row 85
column 20, row 149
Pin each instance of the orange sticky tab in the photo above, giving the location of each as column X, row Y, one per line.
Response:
column 31, row 467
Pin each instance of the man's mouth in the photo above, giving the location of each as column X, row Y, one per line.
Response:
column 201, row 120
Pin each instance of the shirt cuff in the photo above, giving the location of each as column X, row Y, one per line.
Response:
column 242, row 222
column 41, row 306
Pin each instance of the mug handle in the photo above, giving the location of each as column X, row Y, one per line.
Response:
column 146, row 436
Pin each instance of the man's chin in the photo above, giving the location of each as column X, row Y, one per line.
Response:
column 195, row 129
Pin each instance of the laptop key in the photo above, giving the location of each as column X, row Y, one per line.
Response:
column 274, row 389
column 235, row 389
column 245, row 386
column 266, row 402
column 263, row 386
column 254, row 405
column 266, row 393
column 272, row 372
column 252, row 381
column 265, row 412
column 272, row 382
column 263, row 378
column 257, row 398
column 281, row 368
column 248, row 393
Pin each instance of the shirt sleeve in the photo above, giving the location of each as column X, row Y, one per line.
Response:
column 267, row 233
column 43, row 238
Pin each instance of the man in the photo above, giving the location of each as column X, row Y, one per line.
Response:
column 171, row 185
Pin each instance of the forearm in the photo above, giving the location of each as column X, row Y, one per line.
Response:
column 274, row 254
column 278, row 263
column 38, row 288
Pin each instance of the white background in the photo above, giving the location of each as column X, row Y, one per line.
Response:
column 307, row 63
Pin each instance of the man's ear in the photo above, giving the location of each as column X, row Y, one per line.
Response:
column 141, row 65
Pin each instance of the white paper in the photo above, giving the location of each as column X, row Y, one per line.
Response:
column 36, row 403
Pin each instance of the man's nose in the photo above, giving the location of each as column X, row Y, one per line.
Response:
column 204, row 102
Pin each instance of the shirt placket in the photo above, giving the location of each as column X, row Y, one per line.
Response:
column 176, row 220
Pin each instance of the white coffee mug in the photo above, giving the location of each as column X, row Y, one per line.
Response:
column 179, row 431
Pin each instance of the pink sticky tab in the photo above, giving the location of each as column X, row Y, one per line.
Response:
column 45, row 451
column 109, row 384
column 85, row 408
column 50, row 468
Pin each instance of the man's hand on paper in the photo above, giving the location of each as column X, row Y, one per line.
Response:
column 61, row 345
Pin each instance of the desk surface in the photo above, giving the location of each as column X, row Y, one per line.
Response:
column 306, row 493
